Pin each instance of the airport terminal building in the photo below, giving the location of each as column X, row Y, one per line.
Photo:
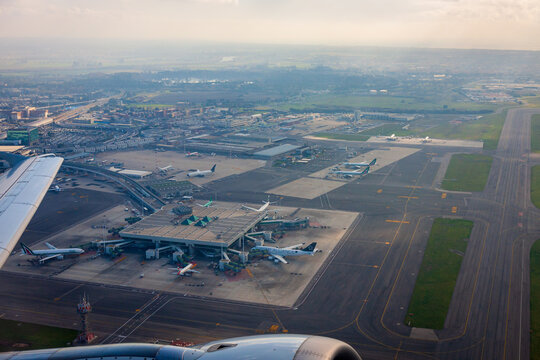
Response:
column 206, row 228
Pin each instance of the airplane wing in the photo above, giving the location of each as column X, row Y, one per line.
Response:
column 280, row 258
column 249, row 208
column 45, row 259
column 50, row 246
column 21, row 190
column 293, row 246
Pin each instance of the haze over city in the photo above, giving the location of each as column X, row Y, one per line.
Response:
column 486, row 24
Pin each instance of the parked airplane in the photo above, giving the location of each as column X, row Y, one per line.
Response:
column 261, row 209
column 361, row 164
column 392, row 137
column 208, row 204
column 185, row 271
column 190, row 154
column 52, row 253
column 165, row 169
column 202, row 173
column 346, row 173
column 278, row 253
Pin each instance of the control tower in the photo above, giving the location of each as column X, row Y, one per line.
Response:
column 85, row 335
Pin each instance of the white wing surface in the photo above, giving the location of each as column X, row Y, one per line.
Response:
column 21, row 190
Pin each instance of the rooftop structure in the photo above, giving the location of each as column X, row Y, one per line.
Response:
column 213, row 226
column 275, row 151
column 139, row 174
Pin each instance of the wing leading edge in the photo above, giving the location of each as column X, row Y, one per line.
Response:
column 22, row 189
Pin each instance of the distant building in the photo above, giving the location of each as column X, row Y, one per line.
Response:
column 28, row 136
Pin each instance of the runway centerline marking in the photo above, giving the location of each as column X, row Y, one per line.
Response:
column 408, row 197
column 398, row 221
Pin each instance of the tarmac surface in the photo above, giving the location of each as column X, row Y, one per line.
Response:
column 360, row 295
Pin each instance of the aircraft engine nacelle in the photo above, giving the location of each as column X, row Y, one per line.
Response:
column 262, row 347
column 60, row 257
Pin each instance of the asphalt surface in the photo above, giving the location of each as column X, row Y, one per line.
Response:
column 361, row 294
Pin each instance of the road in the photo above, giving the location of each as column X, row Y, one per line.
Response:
column 362, row 295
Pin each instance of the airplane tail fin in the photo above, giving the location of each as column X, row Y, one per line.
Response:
column 26, row 250
column 365, row 172
column 310, row 247
column 373, row 162
column 213, row 168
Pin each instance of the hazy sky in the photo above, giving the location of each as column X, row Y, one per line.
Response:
column 495, row 24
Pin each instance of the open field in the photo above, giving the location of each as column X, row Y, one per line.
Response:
column 438, row 274
column 348, row 137
column 487, row 128
column 387, row 130
column 532, row 101
column 535, row 133
column 17, row 336
column 535, row 185
column 535, row 300
column 467, row 172
column 150, row 160
column 380, row 102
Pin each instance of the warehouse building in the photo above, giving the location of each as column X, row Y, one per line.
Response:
column 275, row 151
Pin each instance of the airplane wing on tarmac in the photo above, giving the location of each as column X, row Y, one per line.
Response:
column 280, row 258
column 22, row 187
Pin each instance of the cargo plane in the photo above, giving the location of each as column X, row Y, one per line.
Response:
column 360, row 164
column 202, row 173
column 346, row 173
column 261, row 209
column 277, row 254
column 185, row 271
column 51, row 253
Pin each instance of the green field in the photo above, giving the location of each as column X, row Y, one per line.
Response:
column 438, row 274
column 535, row 185
column 467, row 172
column 348, row 137
column 386, row 130
column 380, row 102
column 535, row 133
column 33, row 335
column 487, row 128
column 535, row 301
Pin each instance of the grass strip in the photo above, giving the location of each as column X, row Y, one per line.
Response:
column 438, row 274
column 467, row 172
column 18, row 336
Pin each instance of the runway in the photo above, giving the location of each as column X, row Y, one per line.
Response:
column 362, row 295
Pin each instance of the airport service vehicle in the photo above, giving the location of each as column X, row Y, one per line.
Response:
column 277, row 254
column 51, row 253
column 426, row 139
column 360, row 164
column 202, row 173
column 392, row 137
column 347, row 173
column 55, row 188
column 257, row 347
column 22, row 187
column 186, row 270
